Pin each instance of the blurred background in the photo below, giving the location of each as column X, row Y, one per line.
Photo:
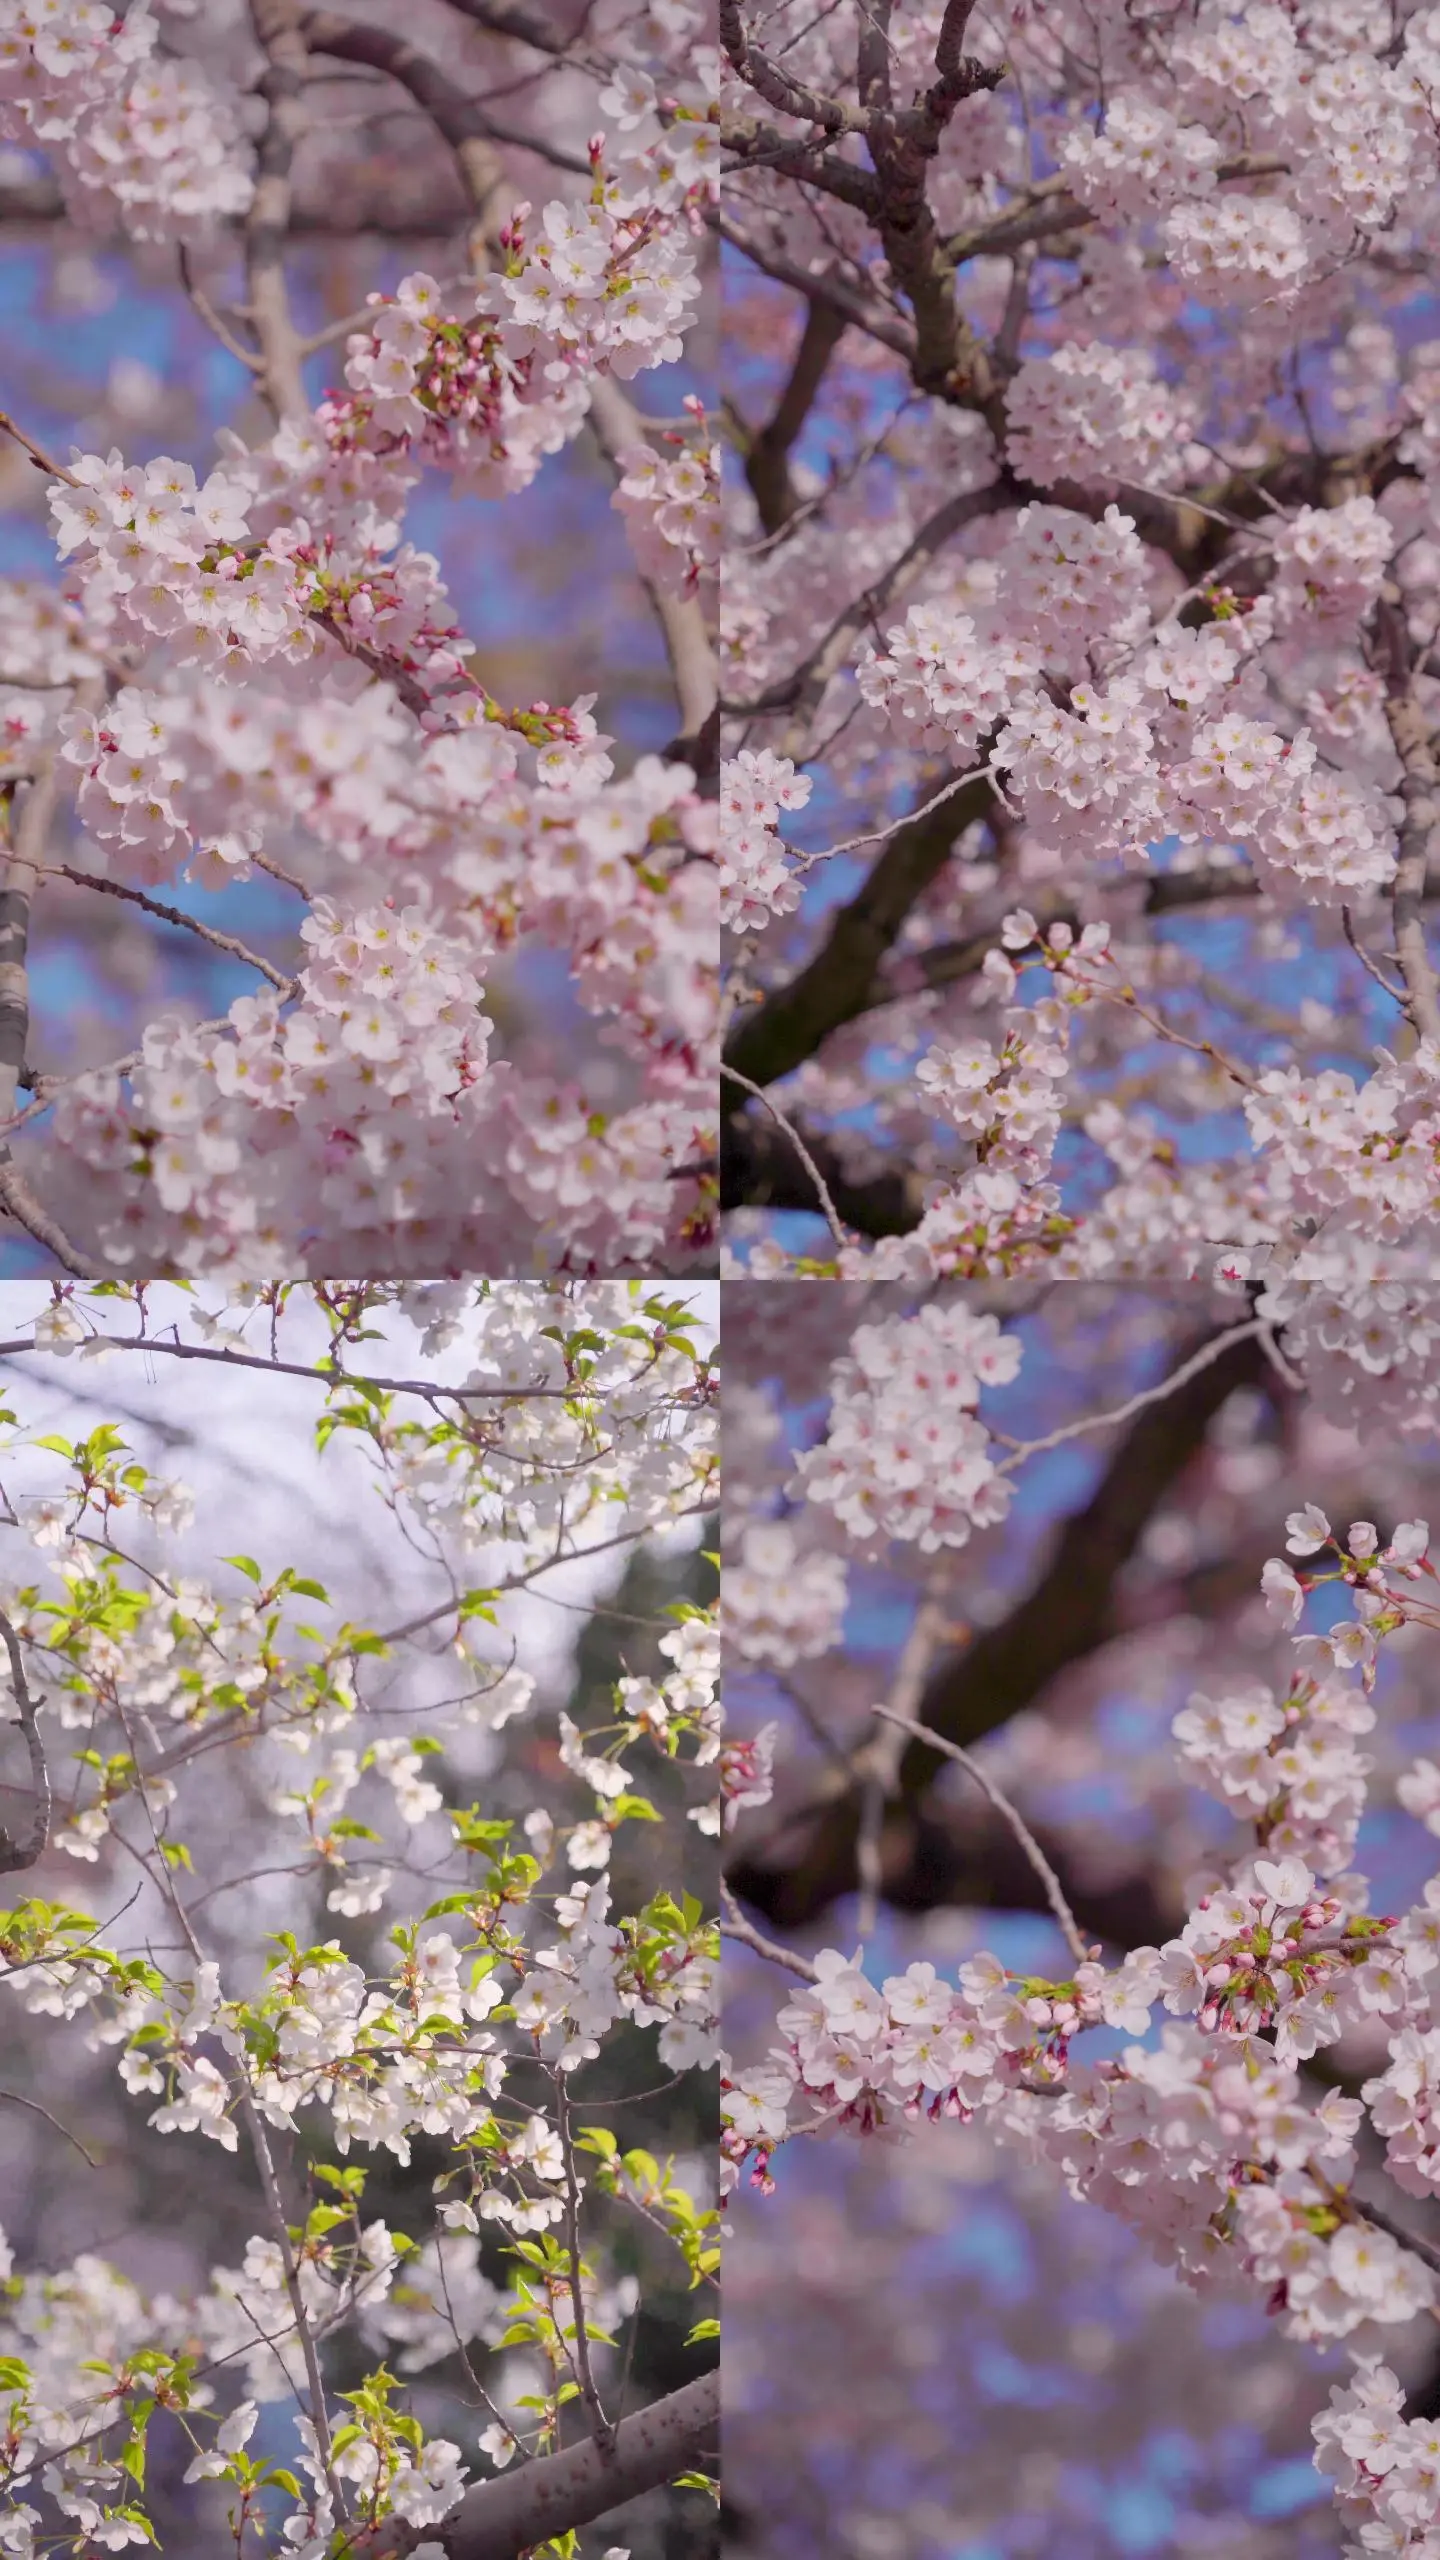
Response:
column 931, row 2352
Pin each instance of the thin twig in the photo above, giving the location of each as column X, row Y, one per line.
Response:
column 738, row 1927
column 38, row 455
column 1054, row 1891
column 882, row 835
column 12, row 2097
column 201, row 303
column 1201, row 1359
column 827, row 1205
column 1398, row 995
column 601, row 2427
column 176, row 915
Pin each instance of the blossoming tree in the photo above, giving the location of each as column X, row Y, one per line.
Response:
column 1152, row 1700
column 253, row 671
column 378, row 1912
column 1079, row 636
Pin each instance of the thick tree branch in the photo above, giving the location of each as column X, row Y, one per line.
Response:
column 778, row 87
column 523, row 25
column 767, row 456
column 267, row 225
column 762, row 146
column 500, row 2519
column 788, row 1027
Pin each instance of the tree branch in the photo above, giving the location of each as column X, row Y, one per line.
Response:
column 461, row 121
column 267, row 225
column 617, row 425
column 23, row 1853
column 789, row 1026
column 1410, row 730
column 500, row 2519
column 767, row 457
column 175, row 915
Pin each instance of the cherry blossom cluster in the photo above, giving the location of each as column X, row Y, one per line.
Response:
column 1288, row 1764
column 1279, row 1952
column 160, row 556
column 1008, row 1102
column 905, row 1454
column 1331, row 561
column 671, row 507
column 1376, row 1576
column 1095, row 413
column 599, row 866
column 1203, row 2142
column 1354, row 1158
column 600, row 285
column 1365, row 1347
column 150, row 146
column 283, row 654
column 944, row 679
column 426, row 387
column 754, row 881
column 783, row 1605
column 1386, row 2468
column 1155, row 2136
column 1106, row 771
column 1141, row 160
column 1209, row 2152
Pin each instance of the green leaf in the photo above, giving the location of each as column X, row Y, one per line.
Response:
column 703, row 2329
column 244, row 1564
